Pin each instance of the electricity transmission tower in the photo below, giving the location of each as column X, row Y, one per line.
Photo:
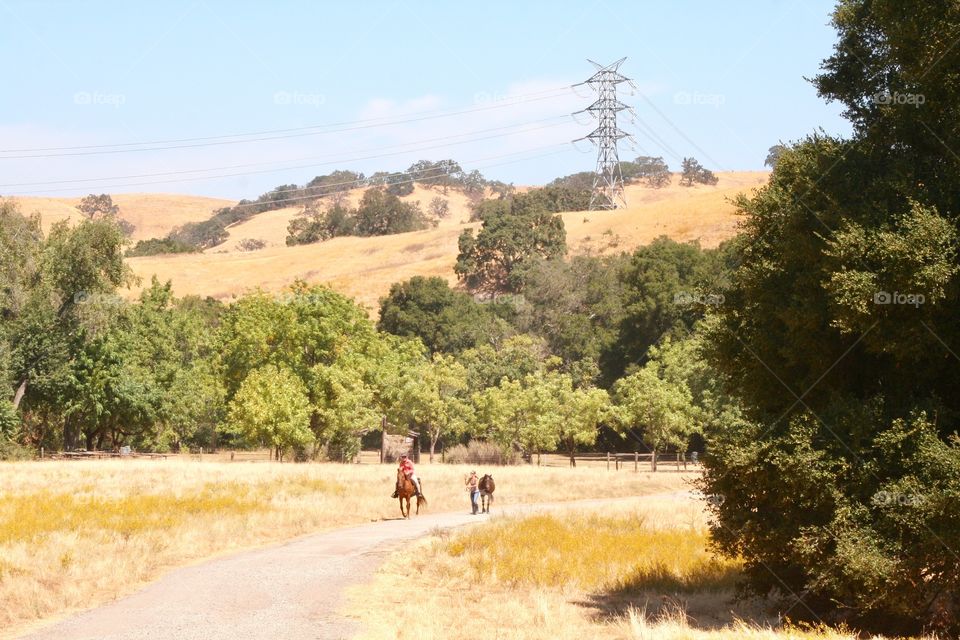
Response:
column 608, row 181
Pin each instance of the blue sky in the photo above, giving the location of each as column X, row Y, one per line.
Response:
column 483, row 83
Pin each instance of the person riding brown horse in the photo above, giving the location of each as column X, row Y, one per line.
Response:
column 406, row 466
column 406, row 489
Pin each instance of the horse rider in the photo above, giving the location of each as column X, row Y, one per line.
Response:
column 406, row 465
column 473, row 486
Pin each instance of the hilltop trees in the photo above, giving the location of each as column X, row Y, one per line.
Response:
column 315, row 224
column 773, row 155
column 381, row 213
column 648, row 170
column 651, row 171
column 692, row 172
column 101, row 206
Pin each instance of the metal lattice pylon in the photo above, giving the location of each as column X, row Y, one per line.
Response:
column 608, row 181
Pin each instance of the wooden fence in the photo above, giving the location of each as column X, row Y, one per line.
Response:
column 622, row 461
column 610, row 461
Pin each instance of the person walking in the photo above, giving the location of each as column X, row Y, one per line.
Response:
column 473, row 487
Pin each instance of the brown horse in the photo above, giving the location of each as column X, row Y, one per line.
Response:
column 405, row 491
column 487, row 488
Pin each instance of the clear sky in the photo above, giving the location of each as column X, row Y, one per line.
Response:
column 386, row 83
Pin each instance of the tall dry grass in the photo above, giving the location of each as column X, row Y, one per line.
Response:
column 628, row 572
column 75, row 534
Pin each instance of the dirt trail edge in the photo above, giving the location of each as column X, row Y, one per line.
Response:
column 292, row 591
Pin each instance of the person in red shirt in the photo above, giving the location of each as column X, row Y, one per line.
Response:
column 408, row 471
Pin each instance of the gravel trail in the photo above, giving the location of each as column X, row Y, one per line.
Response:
column 291, row 591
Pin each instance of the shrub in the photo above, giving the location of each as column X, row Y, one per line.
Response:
column 251, row 244
column 158, row 246
column 480, row 452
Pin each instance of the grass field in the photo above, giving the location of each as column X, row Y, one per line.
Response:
column 639, row 571
column 364, row 268
column 75, row 534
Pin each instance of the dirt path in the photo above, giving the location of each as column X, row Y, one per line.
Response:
column 292, row 591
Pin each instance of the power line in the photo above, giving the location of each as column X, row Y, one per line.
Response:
column 309, row 158
column 608, row 180
column 338, row 161
column 206, row 141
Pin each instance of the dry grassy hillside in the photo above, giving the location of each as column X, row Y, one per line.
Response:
column 271, row 227
column 152, row 214
column 364, row 268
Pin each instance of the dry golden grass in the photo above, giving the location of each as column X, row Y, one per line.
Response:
column 152, row 214
column 637, row 571
column 75, row 534
column 364, row 268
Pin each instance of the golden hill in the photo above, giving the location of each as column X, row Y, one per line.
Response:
column 271, row 226
column 364, row 268
column 152, row 214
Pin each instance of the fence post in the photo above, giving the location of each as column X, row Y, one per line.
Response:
column 608, row 461
column 636, row 461
column 41, row 453
column 653, row 461
column 678, row 460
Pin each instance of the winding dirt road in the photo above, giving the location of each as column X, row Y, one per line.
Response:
column 292, row 591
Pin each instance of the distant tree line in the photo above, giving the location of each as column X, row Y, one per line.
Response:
column 379, row 213
column 442, row 174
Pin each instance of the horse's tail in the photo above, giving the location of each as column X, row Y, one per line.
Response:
column 421, row 500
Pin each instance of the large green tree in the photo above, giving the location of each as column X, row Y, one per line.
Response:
column 667, row 286
column 445, row 320
column 661, row 411
column 435, row 400
column 271, row 408
column 839, row 334
column 511, row 237
column 576, row 305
